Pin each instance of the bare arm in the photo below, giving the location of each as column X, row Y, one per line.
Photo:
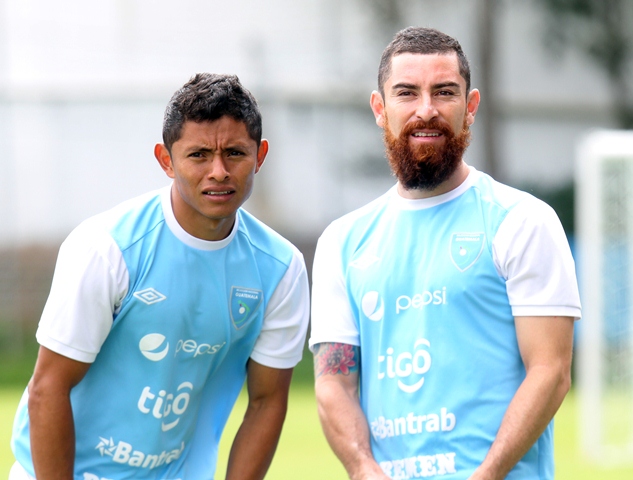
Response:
column 51, row 417
column 546, row 349
column 256, row 440
column 344, row 423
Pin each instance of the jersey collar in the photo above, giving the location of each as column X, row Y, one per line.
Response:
column 423, row 203
column 186, row 238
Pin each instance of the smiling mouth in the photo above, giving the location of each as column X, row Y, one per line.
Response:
column 423, row 134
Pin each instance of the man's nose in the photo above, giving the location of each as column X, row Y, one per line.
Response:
column 426, row 109
column 218, row 170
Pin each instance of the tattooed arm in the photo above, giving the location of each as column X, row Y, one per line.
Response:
column 344, row 423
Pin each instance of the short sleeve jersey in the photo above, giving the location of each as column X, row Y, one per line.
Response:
column 429, row 290
column 168, row 322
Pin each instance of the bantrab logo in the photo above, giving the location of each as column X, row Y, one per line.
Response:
column 244, row 304
column 124, row 453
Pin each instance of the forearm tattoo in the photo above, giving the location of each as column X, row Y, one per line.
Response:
column 336, row 358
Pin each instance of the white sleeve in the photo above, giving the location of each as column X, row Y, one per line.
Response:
column 332, row 316
column 280, row 342
column 531, row 253
column 89, row 283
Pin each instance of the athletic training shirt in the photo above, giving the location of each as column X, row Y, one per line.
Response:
column 429, row 289
column 168, row 322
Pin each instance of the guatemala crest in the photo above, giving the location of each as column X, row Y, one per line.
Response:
column 244, row 304
column 465, row 249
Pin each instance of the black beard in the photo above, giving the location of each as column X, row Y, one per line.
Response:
column 423, row 167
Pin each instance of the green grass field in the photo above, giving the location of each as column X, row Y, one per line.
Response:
column 303, row 448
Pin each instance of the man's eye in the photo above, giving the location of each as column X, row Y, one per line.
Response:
column 235, row 153
column 196, row 154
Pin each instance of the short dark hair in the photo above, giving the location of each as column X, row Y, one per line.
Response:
column 424, row 41
column 207, row 97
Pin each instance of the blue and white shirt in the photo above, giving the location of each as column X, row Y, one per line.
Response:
column 429, row 289
column 168, row 322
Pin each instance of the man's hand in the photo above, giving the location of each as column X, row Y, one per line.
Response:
column 344, row 423
column 545, row 344
column 52, row 427
column 256, row 440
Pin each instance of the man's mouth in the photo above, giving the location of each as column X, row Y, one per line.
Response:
column 423, row 134
column 225, row 192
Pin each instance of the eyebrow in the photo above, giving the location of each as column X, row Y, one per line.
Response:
column 412, row 86
column 398, row 86
column 447, row 84
column 232, row 146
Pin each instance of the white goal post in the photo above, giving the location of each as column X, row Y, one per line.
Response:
column 604, row 239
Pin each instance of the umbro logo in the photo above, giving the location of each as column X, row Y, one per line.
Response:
column 149, row 296
column 364, row 262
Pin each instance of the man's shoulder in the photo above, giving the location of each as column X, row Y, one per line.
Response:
column 361, row 216
column 511, row 206
column 501, row 195
column 124, row 223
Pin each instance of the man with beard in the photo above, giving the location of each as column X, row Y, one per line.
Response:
column 450, row 300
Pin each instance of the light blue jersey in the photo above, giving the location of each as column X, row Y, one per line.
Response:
column 185, row 316
column 416, row 285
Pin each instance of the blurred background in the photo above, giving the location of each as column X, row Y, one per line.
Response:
column 83, row 86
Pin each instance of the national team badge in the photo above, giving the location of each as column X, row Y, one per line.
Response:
column 466, row 248
column 244, row 303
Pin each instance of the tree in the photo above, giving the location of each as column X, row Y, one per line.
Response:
column 601, row 30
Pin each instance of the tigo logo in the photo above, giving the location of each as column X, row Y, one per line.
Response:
column 162, row 404
column 149, row 296
column 407, row 365
column 373, row 306
column 151, row 346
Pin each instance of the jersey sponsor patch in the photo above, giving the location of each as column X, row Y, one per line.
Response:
column 373, row 306
column 244, row 304
column 124, row 453
column 466, row 248
column 154, row 347
column 420, row 466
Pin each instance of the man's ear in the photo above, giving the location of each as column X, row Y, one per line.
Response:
column 472, row 106
column 164, row 159
column 378, row 107
column 262, row 151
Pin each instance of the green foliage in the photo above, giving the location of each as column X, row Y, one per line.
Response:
column 303, row 451
column 601, row 30
column 9, row 398
column 17, row 363
column 561, row 199
column 595, row 26
column 303, row 374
